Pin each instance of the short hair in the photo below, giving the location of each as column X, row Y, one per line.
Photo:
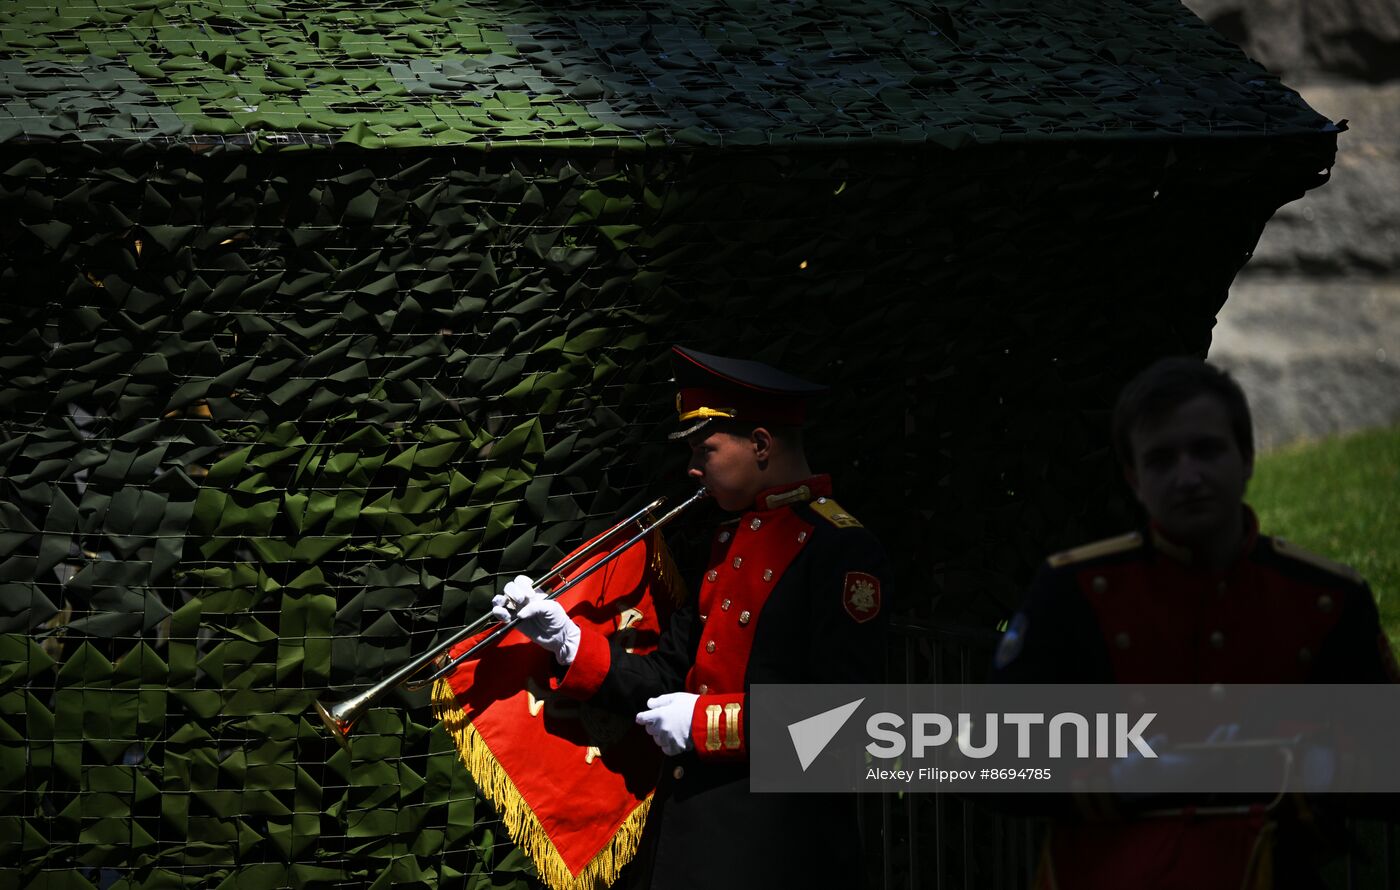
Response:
column 789, row 435
column 1169, row 383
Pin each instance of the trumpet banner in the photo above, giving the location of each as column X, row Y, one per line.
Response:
column 572, row 781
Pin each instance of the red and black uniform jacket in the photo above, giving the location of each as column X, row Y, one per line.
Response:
column 795, row 591
column 1135, row 609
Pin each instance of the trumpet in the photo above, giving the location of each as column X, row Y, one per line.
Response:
column 341, row 718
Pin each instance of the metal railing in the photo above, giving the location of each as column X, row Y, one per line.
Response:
column 945, row 841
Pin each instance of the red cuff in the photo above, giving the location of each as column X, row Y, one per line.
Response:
column 717, row 727
column 590, row 665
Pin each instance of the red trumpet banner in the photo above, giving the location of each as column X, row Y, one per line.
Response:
column 573, row 782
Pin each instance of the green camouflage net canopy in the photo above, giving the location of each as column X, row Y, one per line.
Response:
column 603, row 75
column 320, row 319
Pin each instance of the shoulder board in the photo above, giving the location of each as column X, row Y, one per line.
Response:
column 833, row 513
column 1293, row 551
column 1106, row 547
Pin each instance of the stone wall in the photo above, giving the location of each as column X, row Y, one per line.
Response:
column 1312, row 325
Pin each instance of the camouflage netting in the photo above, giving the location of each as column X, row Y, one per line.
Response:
column 320, row 318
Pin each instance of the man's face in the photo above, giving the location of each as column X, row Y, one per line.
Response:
column 1188, row 471
column 728, row 465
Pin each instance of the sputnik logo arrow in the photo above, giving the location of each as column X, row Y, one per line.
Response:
column 811, row 736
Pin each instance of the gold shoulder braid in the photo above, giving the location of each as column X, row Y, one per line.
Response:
column 833, row 513
column 1293, row 551
column 1106, row 547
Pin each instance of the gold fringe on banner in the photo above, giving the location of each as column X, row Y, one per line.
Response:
column 524, row 828
column 663, row 569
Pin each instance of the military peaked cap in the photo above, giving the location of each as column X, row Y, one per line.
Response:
column 711, row 387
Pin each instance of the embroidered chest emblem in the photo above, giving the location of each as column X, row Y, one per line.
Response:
column 861, row 596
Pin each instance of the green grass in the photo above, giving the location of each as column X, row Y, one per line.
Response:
column 1340, row 497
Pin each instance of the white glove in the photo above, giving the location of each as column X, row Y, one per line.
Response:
column 668, row 721
column 539, row 618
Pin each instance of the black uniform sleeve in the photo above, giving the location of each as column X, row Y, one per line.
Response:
column 1054, row 638
column 845, row 643
column 632, row 679
column 1357, row 650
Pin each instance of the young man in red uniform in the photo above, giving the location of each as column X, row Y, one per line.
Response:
column 1198, row 596
column 795, row 591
